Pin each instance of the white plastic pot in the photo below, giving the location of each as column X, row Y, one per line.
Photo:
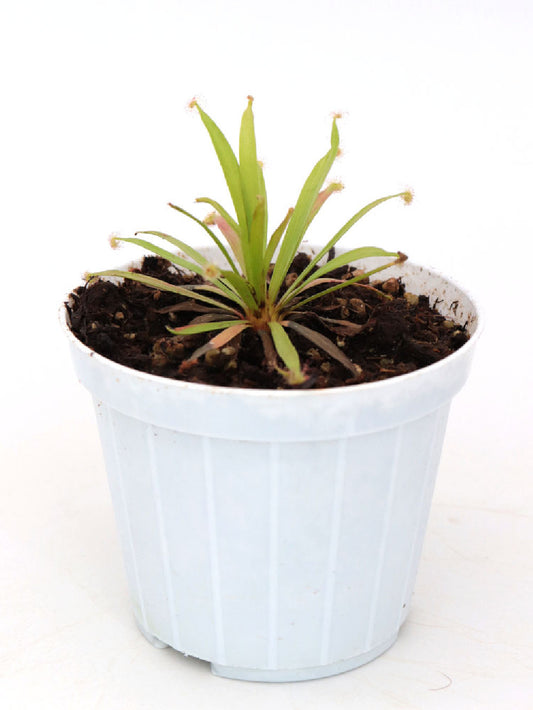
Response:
column 276, row 534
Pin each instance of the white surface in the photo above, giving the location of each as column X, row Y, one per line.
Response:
column 94, row 139
column 286, row 550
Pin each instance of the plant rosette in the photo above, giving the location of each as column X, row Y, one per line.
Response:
column 275, row 533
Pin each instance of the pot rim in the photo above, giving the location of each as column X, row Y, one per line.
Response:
column 253, row 393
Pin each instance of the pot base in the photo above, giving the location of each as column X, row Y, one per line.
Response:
column 284, row 675
column 156, row 643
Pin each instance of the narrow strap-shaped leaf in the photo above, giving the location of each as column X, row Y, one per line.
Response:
column 298, row 222
column 161, row 285
column 257, row 239
column 188, row 250
column 342, row 327
column 214, row 315
column 263, row 194
column 241, row 287
column 342, row 231
column 173, row 258
column 221, row 211
column 350, row 256
column 230, row 167
column 321, row 199
column 274, row 239
column 217, row 289
column 188, row 306
column 248, row 162
column 318, row 282
column 220, row 340
column 164, row 253
column 211, row 234
column 348, row 282
column 269, row 349
column 325, row 344
column 285, row 348
column 201, row 327
column 231, row 236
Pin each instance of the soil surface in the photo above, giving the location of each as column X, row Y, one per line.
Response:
column 386, row 331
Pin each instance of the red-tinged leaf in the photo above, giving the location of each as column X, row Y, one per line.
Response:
column 220, row 340
column 318, row 282
column 231, row 235
column 322, row 197
column 209, row 232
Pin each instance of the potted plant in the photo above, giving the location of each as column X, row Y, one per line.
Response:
column 274, row 531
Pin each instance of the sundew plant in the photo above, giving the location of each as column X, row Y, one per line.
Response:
column 253, row 291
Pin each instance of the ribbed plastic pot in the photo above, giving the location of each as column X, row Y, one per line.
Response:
column 276, row 534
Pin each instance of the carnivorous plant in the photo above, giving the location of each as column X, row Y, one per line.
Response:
column 253, row 291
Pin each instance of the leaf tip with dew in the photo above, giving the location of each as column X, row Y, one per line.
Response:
column 336, row 115
column 210, row 218
column 193, row 103
column 250, row 100
column 401, row 257
column 293, row 378
column 211, row 272
column 114, row 240
column 407, row 196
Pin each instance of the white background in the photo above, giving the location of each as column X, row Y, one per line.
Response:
column 96, row 137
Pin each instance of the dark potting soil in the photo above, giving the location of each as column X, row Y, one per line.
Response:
column 127, row 322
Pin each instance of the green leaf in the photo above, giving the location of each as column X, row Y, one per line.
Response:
column 342, row 231
column 350, row 256
column 222, row 212
column 201, row 327
column 160, row 285
column 164, row 253
column 242, row 288
column 274, row 240
column 263, row 194
column 188, row 250
column 285, row 348
column 248, row 163
column 211, row 234
column 348, row 282
column 302, row 211
column 257, row 240
column 230, row 168
column 173, row 258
